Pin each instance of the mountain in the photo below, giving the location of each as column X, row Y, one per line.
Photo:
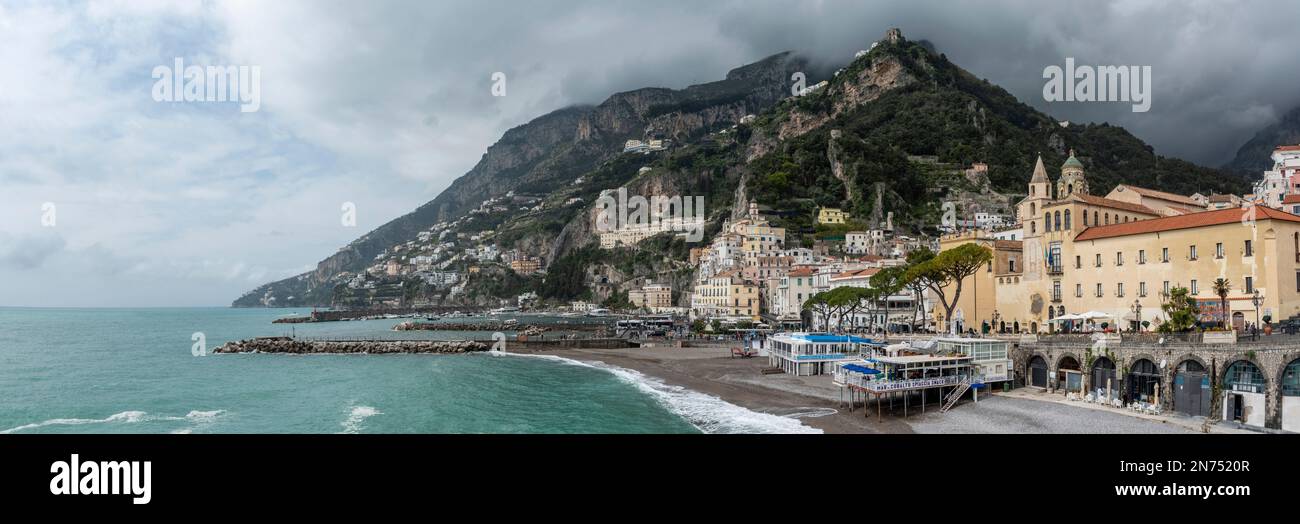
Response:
column 889, row 134
column 552, row 151
column 1253, row 158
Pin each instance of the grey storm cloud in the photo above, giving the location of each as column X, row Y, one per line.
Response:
column 385, row 103
column 1219, row 74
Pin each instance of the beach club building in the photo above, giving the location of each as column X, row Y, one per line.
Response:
column 803, row 354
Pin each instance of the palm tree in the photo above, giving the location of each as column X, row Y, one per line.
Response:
column 1221, row 288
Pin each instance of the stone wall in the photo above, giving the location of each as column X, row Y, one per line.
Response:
column 1270, row 357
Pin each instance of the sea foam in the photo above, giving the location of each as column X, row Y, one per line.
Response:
column 359, row 414
column 125, row 417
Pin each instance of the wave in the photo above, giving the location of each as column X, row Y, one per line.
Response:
column 707, row 413
column 358, row 415
column 125, row 417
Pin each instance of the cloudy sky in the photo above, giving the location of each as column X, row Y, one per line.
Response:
column 383, row 104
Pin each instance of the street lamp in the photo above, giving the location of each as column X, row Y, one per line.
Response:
column 1257, row 300
column 1137, row 313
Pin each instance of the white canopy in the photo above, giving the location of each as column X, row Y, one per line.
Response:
column 1067, row 317
column 1094, row 314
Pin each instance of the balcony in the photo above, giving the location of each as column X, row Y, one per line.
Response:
column 1055, row 269
column 1056, row 297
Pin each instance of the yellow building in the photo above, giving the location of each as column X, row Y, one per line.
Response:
column 831, row 215
column 651, row 296
column 1117, row 256
column 978, row 303
column 1167, row 204
column 525, row 267
column 726, row 296
column 1120, row 265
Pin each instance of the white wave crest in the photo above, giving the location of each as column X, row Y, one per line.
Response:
column 707, row 413
column 125, row 417
column 359, row 414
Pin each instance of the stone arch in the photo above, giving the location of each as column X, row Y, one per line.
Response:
column 1192, row 398
column 1102, row 369
column 1142, row 356
column 1070, row 355
column 1057, row 374
column 1287, row 359
column 1242, row 403
column 1143, row 378
column 1276, row 415
column 1185, row 357
column 1227, row 362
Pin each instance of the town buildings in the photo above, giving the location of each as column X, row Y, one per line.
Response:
column 726, row 296
column 654, row 297
column 525, row 266
column 1120, row 255
column 831, row 215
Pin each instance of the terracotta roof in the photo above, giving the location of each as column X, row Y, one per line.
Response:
column 1287, row 148
column 1162, row 195
column 801, row 272
column 1188, row 221
column 859, row 273
column 1114, row 204
column 1291, row 199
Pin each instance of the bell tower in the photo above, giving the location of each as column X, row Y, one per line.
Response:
column 1072, row 180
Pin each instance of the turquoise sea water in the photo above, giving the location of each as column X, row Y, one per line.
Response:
column 133, row 371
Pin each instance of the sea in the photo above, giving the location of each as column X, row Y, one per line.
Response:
column 152, row 370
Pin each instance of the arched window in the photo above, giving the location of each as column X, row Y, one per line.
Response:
column 1085, row 219
column 1291, row 379
column 1069, row 189
column 1056, row 224
column 1244, row 376
column 1067, row 219
column 1095, row 222
column 1107, row 217
column 1047, row 222
column 1033, row 208
column 1033, row 228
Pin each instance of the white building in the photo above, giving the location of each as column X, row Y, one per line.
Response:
column 804, row 354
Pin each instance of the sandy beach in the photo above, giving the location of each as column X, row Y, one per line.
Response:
column 816, row 402
column 711, row 370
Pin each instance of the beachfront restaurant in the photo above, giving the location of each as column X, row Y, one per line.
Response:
column 900, row 378
column 803, row 354
column 989, row 357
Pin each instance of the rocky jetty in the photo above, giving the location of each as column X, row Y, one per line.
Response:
column 372, row 347
column 523, row 329
column 291, row 320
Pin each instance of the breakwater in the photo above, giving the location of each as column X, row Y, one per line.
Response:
column 288, row 345
column 523, row 329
